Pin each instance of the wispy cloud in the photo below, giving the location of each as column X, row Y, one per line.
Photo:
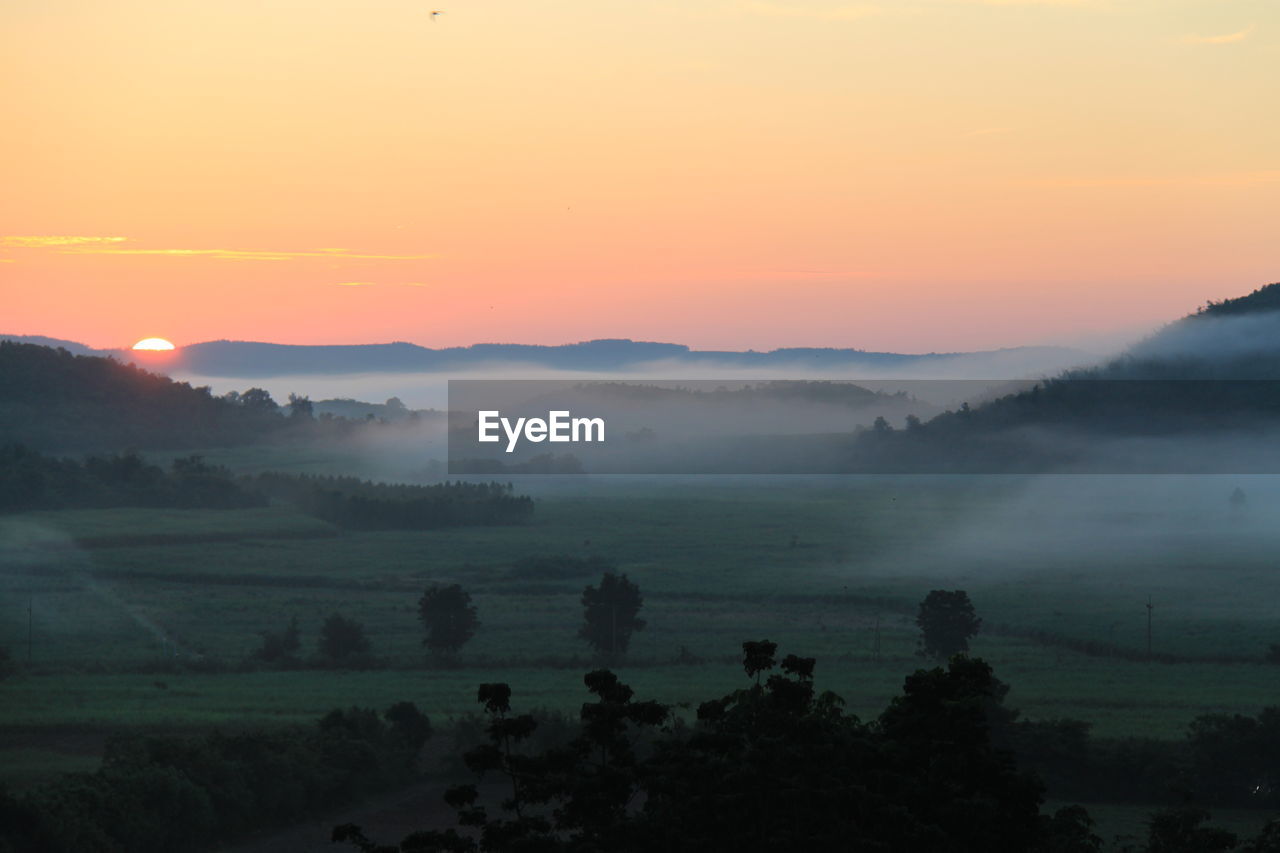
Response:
column 1223, row 179
column 250, row 254
column 381, row 284
column 987, row 131
column 44, row 241
column 1034, row 2
column 73, row 245
column 1229, row 38
column 807, row 11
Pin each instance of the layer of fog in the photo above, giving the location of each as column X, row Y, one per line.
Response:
column 1203, row 553
column 1212, row 339
column 429, row 390
column 1147, row 534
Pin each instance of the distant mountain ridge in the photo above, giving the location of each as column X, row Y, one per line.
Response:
column 234, row 358
column 73, row 347
column 260, row 359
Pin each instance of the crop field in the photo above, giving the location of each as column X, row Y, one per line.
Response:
column 146, row 618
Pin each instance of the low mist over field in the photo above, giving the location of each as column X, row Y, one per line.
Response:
column 429, row 390
column 1097, row 525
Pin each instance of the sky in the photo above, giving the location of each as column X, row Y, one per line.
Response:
column 903, row 175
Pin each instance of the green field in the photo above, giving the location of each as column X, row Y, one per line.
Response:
column 141, row 619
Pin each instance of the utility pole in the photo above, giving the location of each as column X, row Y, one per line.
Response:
column 1149, row 608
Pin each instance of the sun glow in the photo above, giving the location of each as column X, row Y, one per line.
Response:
column 153, row 344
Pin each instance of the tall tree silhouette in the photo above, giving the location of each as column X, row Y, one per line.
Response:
column 342, row 639
column 449, row 618
column 947, row 620
column 610, row 614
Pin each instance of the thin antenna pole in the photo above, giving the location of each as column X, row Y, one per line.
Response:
column 1149, row 608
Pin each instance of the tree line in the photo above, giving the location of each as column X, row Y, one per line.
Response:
column 365, row 505
column 33, row 481
column 30, row 480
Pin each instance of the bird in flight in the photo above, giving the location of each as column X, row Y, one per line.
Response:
column 434, row 14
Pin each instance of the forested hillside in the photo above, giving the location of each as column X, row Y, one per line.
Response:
column 51, row 399
column 1212, row 374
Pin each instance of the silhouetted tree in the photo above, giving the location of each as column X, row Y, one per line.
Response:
column 1182, row 830
column 300, row 407
column 259, row 400
column 610, row 613
column 448, row 617
column 947, row 620
column 1267, row 841
column 758, row 657
column 342, row 639
column 278, row 646
column 1236, row 758
column 409, row 724
column 774, row 766
column 1068, row 830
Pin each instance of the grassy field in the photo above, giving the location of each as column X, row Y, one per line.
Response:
column 122, row 604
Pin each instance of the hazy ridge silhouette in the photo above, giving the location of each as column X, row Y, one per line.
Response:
column 257, row 359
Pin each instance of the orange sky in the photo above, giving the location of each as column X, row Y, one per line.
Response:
column 904, row 175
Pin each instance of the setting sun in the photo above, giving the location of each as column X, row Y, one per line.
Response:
column 153, row 344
